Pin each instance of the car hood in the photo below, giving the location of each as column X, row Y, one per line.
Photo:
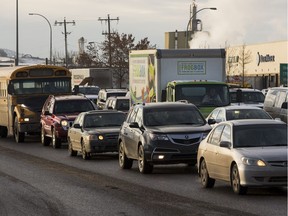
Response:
column 103, row 130
column 277, row 153
column 180, row 128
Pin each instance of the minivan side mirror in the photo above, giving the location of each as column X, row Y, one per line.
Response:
column 76, row 126
column 211, row 121
column 284, row 105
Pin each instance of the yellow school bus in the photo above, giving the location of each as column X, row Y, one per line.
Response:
column 23, row 91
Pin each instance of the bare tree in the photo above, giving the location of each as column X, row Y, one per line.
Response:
column 245, row 57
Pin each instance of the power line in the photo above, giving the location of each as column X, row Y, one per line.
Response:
column 65, row 33
column 109, row 35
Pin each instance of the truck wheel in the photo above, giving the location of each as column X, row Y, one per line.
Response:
column 124, row 162
column 19, row 136
column 44, row 139
column 143, row 165
column 3, row 132
column 56, row 142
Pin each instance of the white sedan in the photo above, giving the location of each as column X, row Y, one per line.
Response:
column 246, row 153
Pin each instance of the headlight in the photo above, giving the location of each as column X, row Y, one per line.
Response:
column 253, row 162
column 64, row 123
column 154, row 137
column 95, row 137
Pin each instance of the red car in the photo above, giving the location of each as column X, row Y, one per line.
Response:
column 58, row 114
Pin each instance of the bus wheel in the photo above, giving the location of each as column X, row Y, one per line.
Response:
column 3, row 132
column 19, row 136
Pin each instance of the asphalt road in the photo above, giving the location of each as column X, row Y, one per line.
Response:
column 38, row 180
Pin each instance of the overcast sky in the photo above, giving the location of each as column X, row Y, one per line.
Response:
column 233, row 23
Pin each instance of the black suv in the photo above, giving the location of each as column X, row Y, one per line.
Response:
column 58, row 114
column 161, row 133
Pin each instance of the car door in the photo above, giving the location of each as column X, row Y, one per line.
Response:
column 128, row 133
column 48, row 120
column 210, row 154
column 223, row 155
column 74, row 134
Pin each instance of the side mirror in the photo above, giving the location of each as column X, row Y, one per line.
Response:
column 134, row 125
column 225, row 144
column 11, row 89
column 211, row 121
column 46, row 112
column 239, row 96
column 76, row 126
column 284, row 105
column 76, row 89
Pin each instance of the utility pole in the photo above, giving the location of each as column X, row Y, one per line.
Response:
column 109, row 35
column 65, row 34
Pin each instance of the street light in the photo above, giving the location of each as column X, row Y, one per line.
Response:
column 192, row 17
column 50, row 33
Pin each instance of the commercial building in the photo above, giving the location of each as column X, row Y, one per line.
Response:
column 259, row 65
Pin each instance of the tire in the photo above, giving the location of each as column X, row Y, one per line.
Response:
column 19, row 136
column 72, row 153
column 143, row 166
column 85, row 155
column 3, row 132
column 44, row 139
column 206, row 181
column 235, row 181
column 124, row 162
column 56, row 142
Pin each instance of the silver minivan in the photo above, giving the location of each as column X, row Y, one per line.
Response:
column 275, row 102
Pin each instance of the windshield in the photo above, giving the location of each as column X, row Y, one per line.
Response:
column 41, row 86
column 247, row 114
column 89, row 90
column 248, row 97
column 104, row 120
column 163, row 117
column 203, row 94
column 72, row 106
column 260, row 136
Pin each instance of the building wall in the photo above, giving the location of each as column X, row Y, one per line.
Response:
column 263, row 70
column 175, row 40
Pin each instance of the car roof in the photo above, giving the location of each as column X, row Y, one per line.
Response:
column 240, row 107
column 165, row 104
column 242, row 122
column 244, row 90
column 114, row 90
column 118, row 97
column 103, row 111
column 70, row 97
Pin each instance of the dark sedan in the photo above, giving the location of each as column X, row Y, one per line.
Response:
column 95, row 132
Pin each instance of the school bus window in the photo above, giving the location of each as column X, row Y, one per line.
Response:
column 60, row 73
column 22, row 74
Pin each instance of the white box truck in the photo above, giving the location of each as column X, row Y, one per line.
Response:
column 176, row 75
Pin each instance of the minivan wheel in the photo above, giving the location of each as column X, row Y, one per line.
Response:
column 235, row 181
column 124, row 162
column 143, row 165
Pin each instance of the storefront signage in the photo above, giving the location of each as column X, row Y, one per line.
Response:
column 265, row 58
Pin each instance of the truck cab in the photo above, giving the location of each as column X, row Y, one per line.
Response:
column 206, row 95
